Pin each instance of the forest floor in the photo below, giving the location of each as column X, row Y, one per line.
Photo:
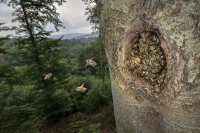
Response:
column 101, row 121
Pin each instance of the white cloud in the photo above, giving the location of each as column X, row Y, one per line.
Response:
column 71, row 14
column 73, row 18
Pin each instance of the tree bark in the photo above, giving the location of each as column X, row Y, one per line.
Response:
column 175, row 106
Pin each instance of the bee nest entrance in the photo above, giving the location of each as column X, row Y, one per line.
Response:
column 146, row 59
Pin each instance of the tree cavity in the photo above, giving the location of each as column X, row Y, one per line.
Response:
column 147, row 59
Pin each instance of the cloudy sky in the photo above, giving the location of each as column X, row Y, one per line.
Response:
column 71, row 14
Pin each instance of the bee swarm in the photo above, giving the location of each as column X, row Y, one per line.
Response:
column 147, row 60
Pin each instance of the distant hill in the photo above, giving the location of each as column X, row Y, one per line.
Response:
column 77, row 41
column 75, row 35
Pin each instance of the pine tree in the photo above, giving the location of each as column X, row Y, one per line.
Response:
column 39, row 55
column 2, row 39
column 33, row 17
column 92, row 13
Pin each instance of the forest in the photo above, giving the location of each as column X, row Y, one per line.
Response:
column 51, row 85
column 140, row 75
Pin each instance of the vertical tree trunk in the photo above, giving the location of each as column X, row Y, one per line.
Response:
column 33, row 42
column 164, row 37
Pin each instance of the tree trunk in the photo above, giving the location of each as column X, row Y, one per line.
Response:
column 153, row 50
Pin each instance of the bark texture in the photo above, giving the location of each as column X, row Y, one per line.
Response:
column 175, row 107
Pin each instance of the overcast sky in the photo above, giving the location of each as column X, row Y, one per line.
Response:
column 71, row 14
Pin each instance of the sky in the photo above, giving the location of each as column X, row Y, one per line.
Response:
column 71, row 14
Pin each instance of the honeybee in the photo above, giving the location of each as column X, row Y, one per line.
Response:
column 81, row 88
column 90, row 62
column 47, row 76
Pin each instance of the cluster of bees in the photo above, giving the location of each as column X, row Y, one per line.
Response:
column 147, row 59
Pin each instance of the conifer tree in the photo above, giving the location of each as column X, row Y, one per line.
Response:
column 39, row 54
column 92, row 13
column 33, row 17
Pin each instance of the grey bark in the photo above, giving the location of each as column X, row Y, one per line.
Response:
column 176, row 108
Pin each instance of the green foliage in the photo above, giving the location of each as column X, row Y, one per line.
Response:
column 25, row 106
column 98, row 92
column 97, row 95
column 92, row 13
column 29, row 100
column 19, row 113
column 98, row 84
column 92, row 128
